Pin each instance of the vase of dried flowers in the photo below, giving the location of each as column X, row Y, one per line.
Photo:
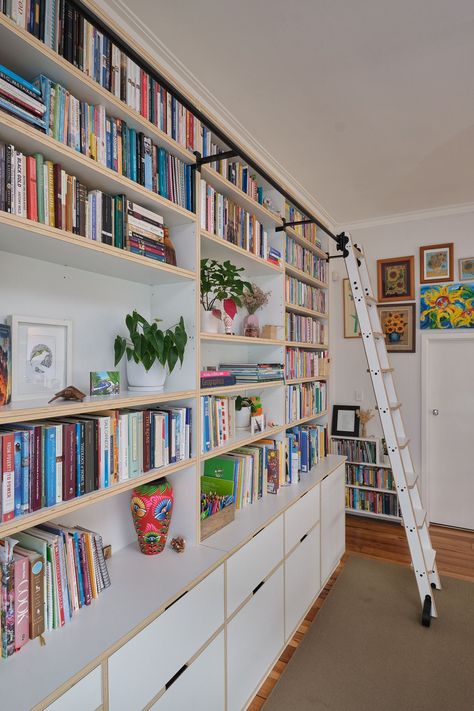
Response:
column 364, row 417
column 253, row 301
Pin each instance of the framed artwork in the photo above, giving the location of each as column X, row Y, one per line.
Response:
column 41, row 356
column 436, row 263
column 5, row 364
column 396, row 279
column 447, row 306
column 398, row 326
column 351, row 321
column 345, row 420
column 466, row 269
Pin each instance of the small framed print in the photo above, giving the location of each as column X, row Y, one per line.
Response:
column 437, row 263
column 398, row 327
column 345, row 420
column 41, row 356
column 257, row 424
column 466, row 269
column 351, row 320
column 396, row 279
column 104, row 382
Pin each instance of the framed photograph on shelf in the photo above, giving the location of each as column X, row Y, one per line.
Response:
column 398, row 326
column 396, row 279
column 345, row 421
column 436, row 263
column 41, row 356
column 5, row 364
column 466, row 269
column 351, row 321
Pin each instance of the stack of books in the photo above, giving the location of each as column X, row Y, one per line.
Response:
column 48, row 573
column 45, row 463
column 306, row 364
column 21, row 98
column 254, row 372
column 144, row 232
column 217, row 421
column 217, row 378
column 306, row 445
column 304, row 329
column 305, row 399
column 274, row 256
column 306, row 260
column 301, row 294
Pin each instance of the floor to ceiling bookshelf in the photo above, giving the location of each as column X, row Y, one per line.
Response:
column 56, row 274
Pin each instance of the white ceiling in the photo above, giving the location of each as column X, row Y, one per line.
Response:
column 368, row 103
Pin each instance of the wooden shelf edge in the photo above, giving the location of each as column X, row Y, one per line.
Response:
column 20, row 523
column 241, row 442
column 366, row 487
column 291, row 232
column 305, row 310
column 241, row 339
column 370, row 514
column 310, row 346
column 312, row 379
column 307, row 278
column 239, row 250
column 238, row 387
column 308, row 418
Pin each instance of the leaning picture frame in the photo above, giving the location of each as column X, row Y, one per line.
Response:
column 345, row 421
column 41, row 356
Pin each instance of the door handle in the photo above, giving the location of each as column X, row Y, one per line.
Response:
column 435, row 412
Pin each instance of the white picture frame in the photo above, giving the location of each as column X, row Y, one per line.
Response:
column 39, row 373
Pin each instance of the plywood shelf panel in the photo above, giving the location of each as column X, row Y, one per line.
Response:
column 307, row 418
column 252, row 262
column 241, row 439
column 244, row 340
column 303, row 276
column 291, row 232
column 305, row 311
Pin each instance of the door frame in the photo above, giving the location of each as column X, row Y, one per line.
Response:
column 428, row 338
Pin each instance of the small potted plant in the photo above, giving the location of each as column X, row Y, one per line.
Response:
column 150, row 351
column 253, row 299
column 219, row 283
column 244, row 406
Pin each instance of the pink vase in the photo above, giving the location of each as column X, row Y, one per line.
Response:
column 151, row 506
column 251, row 326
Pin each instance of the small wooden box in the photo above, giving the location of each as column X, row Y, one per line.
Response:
column 214, row 523
column 269, row 331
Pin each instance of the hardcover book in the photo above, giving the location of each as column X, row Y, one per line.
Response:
column 5, row 365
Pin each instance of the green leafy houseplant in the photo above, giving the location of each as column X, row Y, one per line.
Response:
column 220, row 282
column 241, row 402
column 147, row 343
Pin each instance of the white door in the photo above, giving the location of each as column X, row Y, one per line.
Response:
column 448, row 419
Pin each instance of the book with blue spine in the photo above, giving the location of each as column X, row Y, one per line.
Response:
column 17, row 476
column 49, row 468
column 25, row 471
column 21, row 114
column 15, row 79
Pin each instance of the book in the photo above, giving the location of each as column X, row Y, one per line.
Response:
column 5, row 365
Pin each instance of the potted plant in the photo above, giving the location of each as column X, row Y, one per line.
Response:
column 220, row 282
column 150, row 351
column 253, row 300
column 244, row 406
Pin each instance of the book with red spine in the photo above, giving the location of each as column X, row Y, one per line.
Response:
column 7, row 440
column 146, row 440
column 31, row 189
column 70, row 458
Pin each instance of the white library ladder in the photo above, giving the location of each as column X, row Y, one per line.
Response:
column 413, row 514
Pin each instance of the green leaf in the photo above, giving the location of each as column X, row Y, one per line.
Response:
column 119, row 348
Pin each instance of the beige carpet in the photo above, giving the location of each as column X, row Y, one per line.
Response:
column 367, row 650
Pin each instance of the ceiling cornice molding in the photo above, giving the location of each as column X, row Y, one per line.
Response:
column 204, row 99
column 428, row 214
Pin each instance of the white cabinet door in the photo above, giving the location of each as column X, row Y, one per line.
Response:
column 255, row 637
column 142, row 667
column 201, row 687
column 253, row 562
column 333, row 522
column 301, row 517
column 86, row 695
column 302, row 580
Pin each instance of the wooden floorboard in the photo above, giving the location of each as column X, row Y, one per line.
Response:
column 382, row 540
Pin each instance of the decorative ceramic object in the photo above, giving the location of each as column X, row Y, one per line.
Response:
column 170, row 252
column 151, row 506
column 251, row 326
column 242, row 418
column 141, row 380
column 253, row 300
column 210, row 321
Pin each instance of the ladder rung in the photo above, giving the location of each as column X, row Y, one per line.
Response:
column 370, row 299
column 420, row 515
column 358, row 251
column 429, row 555
column 387, row 370
column 378, row 334
column 403, row 442
column 411, row 479
column 395, row 405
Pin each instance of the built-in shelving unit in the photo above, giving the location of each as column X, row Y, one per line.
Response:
column 53, row 273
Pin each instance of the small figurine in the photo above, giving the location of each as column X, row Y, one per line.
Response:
column 69, row 393
column 178, row 544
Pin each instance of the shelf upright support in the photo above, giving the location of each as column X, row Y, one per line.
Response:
column 212, row 159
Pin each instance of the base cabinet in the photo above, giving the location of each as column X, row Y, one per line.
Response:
column 302, row 580
column 333, row 522
column 255, row 637
column 86, row 695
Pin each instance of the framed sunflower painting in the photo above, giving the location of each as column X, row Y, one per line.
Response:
column 396, row 279
column 437, row 263
column 398, row 326
column 447, row 306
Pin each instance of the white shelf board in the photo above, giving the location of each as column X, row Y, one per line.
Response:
column 218, row 248
column 291, row 232
column 303, row 276
column 305, row 311
column 244, row 340
column 240, row 386
column 241, row 439
column 307, row 418
column 366, row 487
column 32, row 239
column 376, row 465
column 251, row 519
column 385, row 517
column 142, row 586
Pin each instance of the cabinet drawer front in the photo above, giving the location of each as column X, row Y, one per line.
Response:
column 301, row 517
column 140, row 669
column 333, row 522
column 255, row 637
column 201, row 687
column 86, row 695
column 253, row 562
column 302, row 580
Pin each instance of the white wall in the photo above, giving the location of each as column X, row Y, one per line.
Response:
column 348, row 360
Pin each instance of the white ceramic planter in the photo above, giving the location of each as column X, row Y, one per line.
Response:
column 209, row 323
column 141, row 380
column 242, row 418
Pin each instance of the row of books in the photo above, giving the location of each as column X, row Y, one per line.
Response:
column 21, row 98
column 301, row 294
column 48, row 573
column 254, row 372
column 372, row 502
column 306, row 445
column 358, row 475
column 308, row 231
column 304, row 329
column 224, row 218
column 217, row 421
column 306, row 260
column 305, row 399
column 63, row 27
column 305, row 364
column 356, row 451
column 239, row 175
column 45, row 463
